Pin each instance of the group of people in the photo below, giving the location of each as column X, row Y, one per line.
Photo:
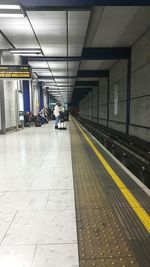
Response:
column 37, row 120
column 46, row 114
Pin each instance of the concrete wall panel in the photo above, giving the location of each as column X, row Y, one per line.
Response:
column 141, row 52
column 122, row 90
column 140, row 133
column 103, row 112
column 140, row 111
column 140, row 84
column 140, row 92
column 118, row 71
column 117, row 126
column 121, row 116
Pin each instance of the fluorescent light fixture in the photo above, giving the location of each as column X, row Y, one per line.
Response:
column 11, row 15
column 40, row 69
column 26, row 52
column 57, row 93
column 21, row 54
column 46, row 80
column 14, row 51
column 10, row 7
column 52, row 90
column 11, row 11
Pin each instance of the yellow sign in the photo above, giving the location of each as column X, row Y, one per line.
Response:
column 15, row 72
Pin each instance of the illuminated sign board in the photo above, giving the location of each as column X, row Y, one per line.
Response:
column 15, row 72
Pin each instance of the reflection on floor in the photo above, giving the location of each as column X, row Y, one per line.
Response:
column 37, row 211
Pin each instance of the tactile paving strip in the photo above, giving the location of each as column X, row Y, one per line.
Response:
column 102, row 241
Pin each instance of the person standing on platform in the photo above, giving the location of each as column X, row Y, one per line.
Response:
column 57, row 115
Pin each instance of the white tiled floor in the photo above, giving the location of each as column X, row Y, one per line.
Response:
column 37, row 210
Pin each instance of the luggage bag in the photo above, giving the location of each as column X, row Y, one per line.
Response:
column 62, row 125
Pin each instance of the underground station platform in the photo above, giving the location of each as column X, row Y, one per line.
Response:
column 112, row 208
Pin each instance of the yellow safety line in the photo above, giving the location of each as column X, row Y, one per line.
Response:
column 140, row 212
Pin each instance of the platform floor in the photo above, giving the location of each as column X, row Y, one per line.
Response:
column 109, row 231
column 37, row 210
column 59, row 207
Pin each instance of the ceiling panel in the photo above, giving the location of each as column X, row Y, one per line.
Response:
column 113, row 22
column 48, row 73
column 38, row 64
column 75, row 50
column 57, row 65
column 51, row 83
column 59, row 73
column 54, row 50
column 51, row 30
column 73, row 68
column 77, row 27
column 58, row 68
column 117, row 26
column 19, row 32
column 3, row 43
column 137, row 26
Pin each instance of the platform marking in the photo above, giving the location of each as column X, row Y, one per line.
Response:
column 140, row 212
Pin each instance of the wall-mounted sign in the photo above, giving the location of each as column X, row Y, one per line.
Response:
column 116, row 99
column 15, row 72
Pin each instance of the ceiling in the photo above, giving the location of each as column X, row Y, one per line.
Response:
column 65, row 33
column 60, row 33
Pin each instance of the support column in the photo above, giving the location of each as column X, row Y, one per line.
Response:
column 27, row 90
column 26, row 96
column 41, row 99
column 2, row 103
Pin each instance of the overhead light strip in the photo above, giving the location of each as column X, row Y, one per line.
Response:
column 25, row 51
column 14, row 7
column 22, row 54
column 11, row 11
column 11, row 15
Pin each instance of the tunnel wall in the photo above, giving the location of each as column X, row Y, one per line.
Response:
column 140, row 88
column 113, row 113
column 118, row 77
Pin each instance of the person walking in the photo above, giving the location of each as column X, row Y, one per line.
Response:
column 57, row 115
